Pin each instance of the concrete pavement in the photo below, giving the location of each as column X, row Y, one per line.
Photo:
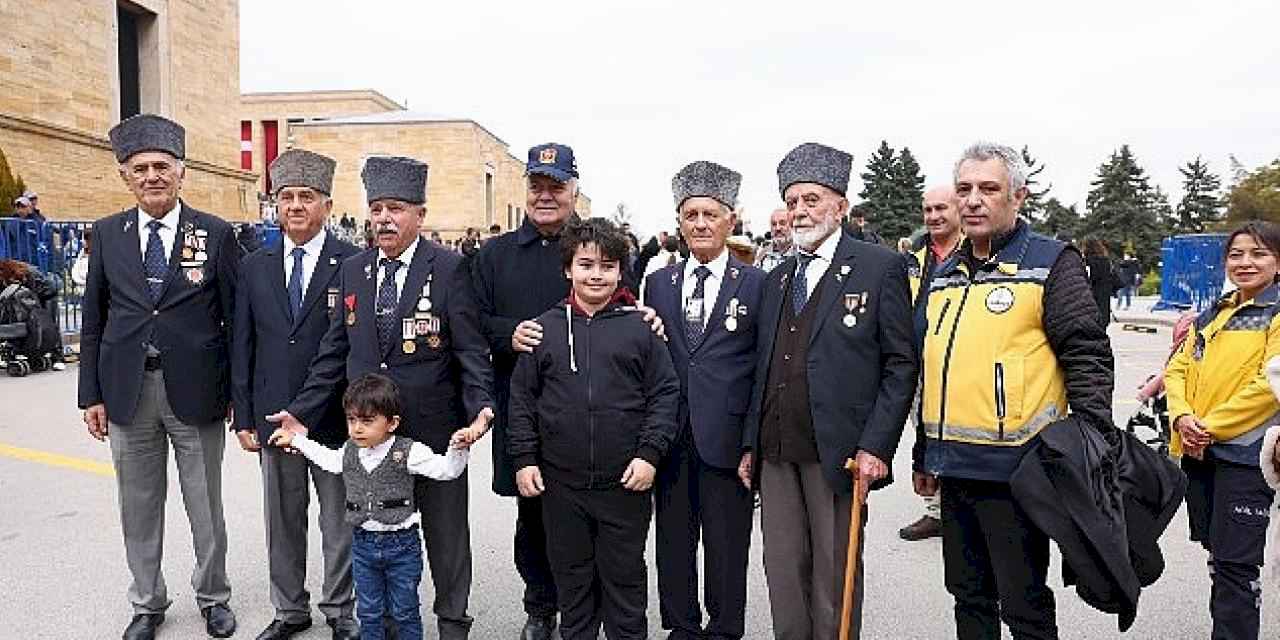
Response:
column 63, row 574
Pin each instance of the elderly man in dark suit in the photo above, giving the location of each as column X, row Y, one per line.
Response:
column 285, row 303
column 154, row 370
column 712, row 300
column 835, row 375
column 407, row 312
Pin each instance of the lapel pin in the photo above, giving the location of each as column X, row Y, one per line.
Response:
column 674, row 276
column 128, row 224
column 368, row 271
column 733, row 273
column 333, row 261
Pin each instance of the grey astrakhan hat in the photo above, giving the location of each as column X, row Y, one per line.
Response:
column 817, row 163
column 148, row 132
column 302, row 168
column 703, row 178
column 396, row 178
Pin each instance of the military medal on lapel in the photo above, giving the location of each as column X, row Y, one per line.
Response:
column 731, row 312
column 193, row 254
column 854, row 303
column 331, row 298
column 424, row 301
column 406, row 334
column 844, row 271
column 350, row 302
column 433, row 341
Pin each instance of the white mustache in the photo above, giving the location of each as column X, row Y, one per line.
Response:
column 387, row 227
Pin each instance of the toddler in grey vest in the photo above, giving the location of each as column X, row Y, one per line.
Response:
column 378, row 468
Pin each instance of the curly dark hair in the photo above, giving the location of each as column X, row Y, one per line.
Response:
column 598, row 231
column 372, row 394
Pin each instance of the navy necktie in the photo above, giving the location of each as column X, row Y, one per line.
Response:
column 385, row 309
column 800, row 286
column 695, row 318
column 155, row 263
column 295, row 281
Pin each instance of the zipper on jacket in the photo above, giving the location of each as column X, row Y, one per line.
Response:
column 1000, row 400
column 946, row 360
column 591, row 418
column 942, row 316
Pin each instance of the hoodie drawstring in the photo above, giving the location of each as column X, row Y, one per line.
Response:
column 568, row 314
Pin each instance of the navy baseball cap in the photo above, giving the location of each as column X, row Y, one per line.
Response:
column 551, row 159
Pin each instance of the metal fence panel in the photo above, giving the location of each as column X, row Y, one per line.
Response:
column 1193, row 271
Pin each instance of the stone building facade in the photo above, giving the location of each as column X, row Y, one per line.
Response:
column 69, row 71
column 473, row 181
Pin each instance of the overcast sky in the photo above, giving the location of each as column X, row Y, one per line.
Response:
column 640, row 89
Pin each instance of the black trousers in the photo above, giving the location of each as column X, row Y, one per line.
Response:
column 1227, row 505
column 692, row 498
column 595, row 541
column 531, row 559
column 446, row 535
column 995, row 561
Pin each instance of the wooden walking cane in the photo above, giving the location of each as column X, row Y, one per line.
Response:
column 851, row 558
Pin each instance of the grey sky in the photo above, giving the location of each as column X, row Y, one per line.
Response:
column 640, row 89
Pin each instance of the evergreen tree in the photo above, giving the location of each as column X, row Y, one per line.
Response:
column 1122, row 208
column 1033, row 208
column 11, row 186
column 908, row 192
column 1060, row 221
column 1200, row 206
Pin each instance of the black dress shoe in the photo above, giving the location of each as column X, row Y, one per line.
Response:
column 538, row 628
column 143, row 626
column 281, row 630
column 345, row 628
column 219, row 621
column 922, row 529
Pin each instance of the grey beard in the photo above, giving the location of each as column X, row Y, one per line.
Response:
column 806, row 238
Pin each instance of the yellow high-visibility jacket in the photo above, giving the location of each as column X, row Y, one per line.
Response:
column 1219, row 375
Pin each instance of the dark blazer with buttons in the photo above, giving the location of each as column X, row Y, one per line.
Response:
column 862, row 379
column 716, row 375
column 190, row 325
column 444, row 383
column 272, row 349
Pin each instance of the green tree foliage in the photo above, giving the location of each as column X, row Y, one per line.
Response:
column 1201, row 206
column 1256, row 196
column 1060, row 221
column 11, row 186
column 892, row 188
column 1033, row 208
column 1123, row 210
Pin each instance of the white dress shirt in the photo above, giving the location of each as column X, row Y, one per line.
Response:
column 168, row 230
column 710, row 288
column 310, row 257
column 422, row 462
column 406, row 259
column 821, row 261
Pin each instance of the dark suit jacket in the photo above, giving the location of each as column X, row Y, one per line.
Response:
column 862, row 378
column 441, row 388
column 271, row 351
column 191, row 325
column 716, row 376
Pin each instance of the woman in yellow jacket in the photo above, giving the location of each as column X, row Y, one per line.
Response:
column 1222, row 405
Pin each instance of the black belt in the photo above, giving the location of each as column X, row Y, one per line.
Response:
column 152, row 363
column 382, row 504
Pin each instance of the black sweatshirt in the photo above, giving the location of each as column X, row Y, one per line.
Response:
column 582, row 415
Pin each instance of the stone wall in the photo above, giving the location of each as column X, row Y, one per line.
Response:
column 60, row 78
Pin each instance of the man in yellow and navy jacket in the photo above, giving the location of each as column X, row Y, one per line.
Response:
column 942, row 220
column 1010, row 340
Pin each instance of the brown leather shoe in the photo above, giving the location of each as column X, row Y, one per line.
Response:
column 925, row 527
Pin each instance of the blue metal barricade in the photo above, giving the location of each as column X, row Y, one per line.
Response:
column 1193, row 271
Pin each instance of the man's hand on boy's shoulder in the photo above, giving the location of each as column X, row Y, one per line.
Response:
column 528, row 334
column 529, row 481
column 639, row 475
column 650, row 316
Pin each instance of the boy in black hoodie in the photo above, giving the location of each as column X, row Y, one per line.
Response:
column 593, row 410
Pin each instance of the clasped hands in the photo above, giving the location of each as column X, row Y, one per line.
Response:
column 637, row 477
